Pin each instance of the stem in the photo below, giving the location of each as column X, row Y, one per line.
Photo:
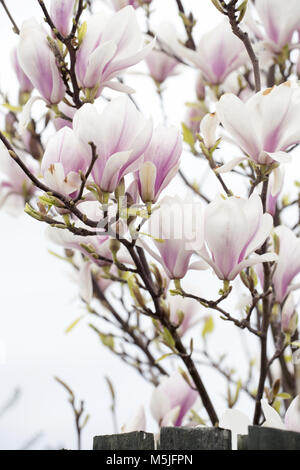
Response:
column 143, row 269
column 265, row 325
column 190, row 42
column 231, row 13
column 15, row 27
column 125, row 327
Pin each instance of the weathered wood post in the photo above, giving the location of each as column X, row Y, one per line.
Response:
column 137, row 440
column 172, row 438
column 261, row 438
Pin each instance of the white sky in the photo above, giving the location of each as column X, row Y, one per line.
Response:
column 38, row 300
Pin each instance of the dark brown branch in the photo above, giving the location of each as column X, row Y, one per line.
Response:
column 243, row 36
column 68, row 202
column 160, row 315
column 192, row 187
column 127, row 328
column 188, row 25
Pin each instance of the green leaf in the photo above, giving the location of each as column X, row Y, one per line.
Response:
column 188, row 136
column 73, row 324
column 284, row 396
column 106, row 339
column 208, row 326
column 13, row 109
column 168, row 338
column 82, row 32
column 164, row 356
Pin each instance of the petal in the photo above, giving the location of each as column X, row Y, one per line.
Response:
column 272, row 418
column 237, row 119
column 292, row 417
column 111, row 174
column 280, row 157
column 137, row 422
column 230, row 165
column 26, row 113
column 256, row 259
column 85, row 282
column 147, row 177
column 98, row 60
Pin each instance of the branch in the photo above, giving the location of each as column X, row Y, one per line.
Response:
column 231, row 13
column 15, row 27
column 143, row 269
column 188, row 22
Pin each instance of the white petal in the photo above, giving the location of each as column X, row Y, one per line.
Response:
column 280, row 157
column 26, row 113
column 85, row 283
column 273, row 419
column 230, row 165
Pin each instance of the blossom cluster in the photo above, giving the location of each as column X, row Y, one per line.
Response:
column 98, row 175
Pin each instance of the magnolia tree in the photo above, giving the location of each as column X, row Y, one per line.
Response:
column 95, row 170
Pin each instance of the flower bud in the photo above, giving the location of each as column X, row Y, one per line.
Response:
column 39, row 63
column 208, row 128
column 289, row 316
column 61, row 13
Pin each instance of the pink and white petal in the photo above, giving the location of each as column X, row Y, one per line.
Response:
column 111, row 174
column 159, row 404
column 280, row 157
column 237, row 120
column 98, row 60
column 261, row 235
column 256, row 259
column 292, row 417
column 171, row 417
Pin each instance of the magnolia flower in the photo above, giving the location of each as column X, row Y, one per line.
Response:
column 160, row 65
column 15, row 186
column 160, row 163
column 289, row 317
column 288, row 264
column 61, row 12
column 218, row 54
column 278, row 22
column 238, row 422
column 265, row 126
column 234, row 229
column 184, row 312
column 291, row 420
column 172, row 400
column 208, row 129
column 39, row 63
column 121, row 135
column 24, row 82
column 110, row 46
column 65, row 157
column 175, row 227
